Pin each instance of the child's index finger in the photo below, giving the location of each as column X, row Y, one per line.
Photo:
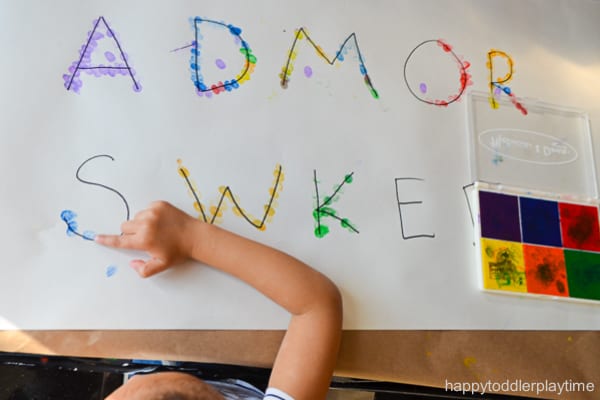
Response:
column 110, row 240
column 122, row 241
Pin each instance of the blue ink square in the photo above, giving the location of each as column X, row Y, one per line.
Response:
column 499, row 215
column 540, row 222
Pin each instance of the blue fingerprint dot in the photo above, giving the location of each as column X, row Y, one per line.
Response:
column 363, row 70
column 234, row 30
column 67, row 215
column 111, row 270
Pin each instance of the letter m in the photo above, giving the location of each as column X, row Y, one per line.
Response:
column 301, row 34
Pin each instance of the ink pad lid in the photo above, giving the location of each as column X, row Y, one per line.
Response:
column 539, row 147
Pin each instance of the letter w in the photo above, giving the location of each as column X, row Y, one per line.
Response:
column 215, row 212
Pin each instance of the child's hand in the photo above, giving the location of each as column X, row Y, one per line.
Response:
column 163, row 231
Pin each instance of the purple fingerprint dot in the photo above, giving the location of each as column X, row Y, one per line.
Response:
column 308, row 71
column 423, row 88
column 220, row 63
column 109, row 56
column 497, row 92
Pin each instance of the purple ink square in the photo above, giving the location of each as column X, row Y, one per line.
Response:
column 499, row 215
column 541, row 224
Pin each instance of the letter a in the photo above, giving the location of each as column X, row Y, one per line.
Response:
column 113, row 61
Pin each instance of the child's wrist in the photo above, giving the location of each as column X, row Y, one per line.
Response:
column 196, row 237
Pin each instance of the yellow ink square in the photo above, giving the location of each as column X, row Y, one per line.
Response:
column 503, row 265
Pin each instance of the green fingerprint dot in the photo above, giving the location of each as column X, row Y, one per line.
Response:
column 321, row 231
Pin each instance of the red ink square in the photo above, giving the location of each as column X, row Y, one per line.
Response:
column 545, row 270
column 579, row 225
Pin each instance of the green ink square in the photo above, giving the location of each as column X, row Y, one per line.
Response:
column 583, row 274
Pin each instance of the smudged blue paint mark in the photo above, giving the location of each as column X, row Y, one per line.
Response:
column 497, row 159
column 111, row 270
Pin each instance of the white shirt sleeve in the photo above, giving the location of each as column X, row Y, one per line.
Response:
column 276, row 394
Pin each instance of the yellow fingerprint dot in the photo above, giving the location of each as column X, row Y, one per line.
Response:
column 493, row 103
column 183, row 172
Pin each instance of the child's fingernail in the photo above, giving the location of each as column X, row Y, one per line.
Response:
column 136, row 265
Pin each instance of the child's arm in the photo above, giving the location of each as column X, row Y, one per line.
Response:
column 307, row 356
